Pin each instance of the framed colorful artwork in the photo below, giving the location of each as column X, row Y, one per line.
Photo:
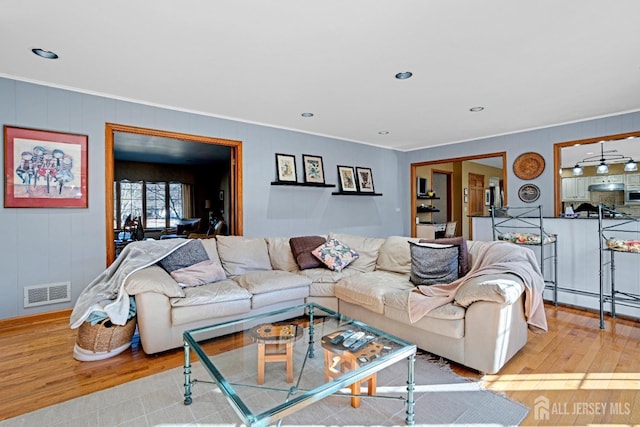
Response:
column 365, row 180
column 313, row 169
column 347, row 179
column 45, row 169
column 286, row 167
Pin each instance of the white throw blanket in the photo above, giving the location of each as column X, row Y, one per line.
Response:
column 106, row 294
column 494, row 258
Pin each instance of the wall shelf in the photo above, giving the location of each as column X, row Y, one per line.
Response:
column 428, row 198
column 354, row 193
column 302, row 184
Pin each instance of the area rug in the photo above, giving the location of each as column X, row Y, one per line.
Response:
column 442, row 398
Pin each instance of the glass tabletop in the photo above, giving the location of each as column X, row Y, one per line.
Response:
column 283, row 361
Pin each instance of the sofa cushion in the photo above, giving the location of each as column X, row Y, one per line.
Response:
column 208, row 271
column 335, row 254
column 301, row 248
column 368, row 289
column 259, row 282
column 240, row 254
column 366, row 247
column 211, row 246
column 188, row 254
column 281, row 255
column 395, row 255
column 500, row 288
column 400, row 301
column 433, row 264
column 324, row 275
column 211, row 293
column 153, row 279
column 463, row 254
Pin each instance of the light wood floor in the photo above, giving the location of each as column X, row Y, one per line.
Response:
column 575, row 366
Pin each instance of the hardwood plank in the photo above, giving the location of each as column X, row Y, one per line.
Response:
column 37, row 368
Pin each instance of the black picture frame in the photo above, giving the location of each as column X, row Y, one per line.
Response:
column 286, row 168
column 347, row 179
column 365, row 180
column 313, row 169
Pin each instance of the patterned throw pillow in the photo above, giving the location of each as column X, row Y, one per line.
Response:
column 433, row 264
column 335, row 255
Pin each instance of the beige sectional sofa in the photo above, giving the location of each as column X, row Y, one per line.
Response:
column 482, row 329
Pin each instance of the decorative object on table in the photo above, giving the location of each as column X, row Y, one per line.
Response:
column 365, row 180
column 45, row 169
column 347, row 178
column 286, row 168
column 313, row 169
column 529, row 193
column 528, row 165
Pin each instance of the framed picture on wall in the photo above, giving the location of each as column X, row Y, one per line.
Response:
column 313, row 169
column 347, row 179
column 286, row 168
column 45, row 169
column 487, row 197
column 365, row 180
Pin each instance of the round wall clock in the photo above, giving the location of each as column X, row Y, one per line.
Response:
column 528, row 165
column 529, row 193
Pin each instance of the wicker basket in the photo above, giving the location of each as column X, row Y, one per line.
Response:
column 105, row 336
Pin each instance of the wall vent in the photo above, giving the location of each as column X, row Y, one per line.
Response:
column 50, row 293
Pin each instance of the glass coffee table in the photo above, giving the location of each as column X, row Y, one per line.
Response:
column 280, row 367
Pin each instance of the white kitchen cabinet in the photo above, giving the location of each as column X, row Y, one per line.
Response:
column 607, row 179
column 632, row 179
column 575, row 189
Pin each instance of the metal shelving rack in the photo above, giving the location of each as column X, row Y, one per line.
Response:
column 515, row 218
column 620, row 225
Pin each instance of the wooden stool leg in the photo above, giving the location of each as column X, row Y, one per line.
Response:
column 372, row 385
column 261, row 363
column 355, row 390
column 289, row 362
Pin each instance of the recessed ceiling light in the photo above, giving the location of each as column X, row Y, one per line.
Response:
column 476, row 109
column 307, row 114
column 47, row 54
column 404, row 75
column 384, row 132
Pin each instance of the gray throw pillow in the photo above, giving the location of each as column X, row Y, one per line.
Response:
column 185, row 256
column 433, row 263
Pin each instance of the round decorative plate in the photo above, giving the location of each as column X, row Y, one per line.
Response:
column 528, row 165
column 529, row 193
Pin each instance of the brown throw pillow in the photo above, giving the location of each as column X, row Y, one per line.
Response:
column 463, row 254
column 301, row 248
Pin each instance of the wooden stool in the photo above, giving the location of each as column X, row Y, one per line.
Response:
column 275, row 355
column 270, row 339
column 337, row 365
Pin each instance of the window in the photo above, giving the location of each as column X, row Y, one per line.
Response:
column 161, row 203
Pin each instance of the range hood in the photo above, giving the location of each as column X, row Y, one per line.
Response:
column 614, row 186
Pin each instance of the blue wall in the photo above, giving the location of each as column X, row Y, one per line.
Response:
column 56, row 245
column 540, row 141
column 41, row 246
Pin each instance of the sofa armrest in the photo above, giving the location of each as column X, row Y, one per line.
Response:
column 154, row 321
column 493, row 334
column 498, row 288
column 153, row 279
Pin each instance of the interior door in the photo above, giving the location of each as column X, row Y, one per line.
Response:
column 476, row 194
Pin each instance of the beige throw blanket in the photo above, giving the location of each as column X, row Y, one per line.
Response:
column 106, row 294
column 494, row 258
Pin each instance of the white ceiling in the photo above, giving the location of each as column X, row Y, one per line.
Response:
column 529, row 64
